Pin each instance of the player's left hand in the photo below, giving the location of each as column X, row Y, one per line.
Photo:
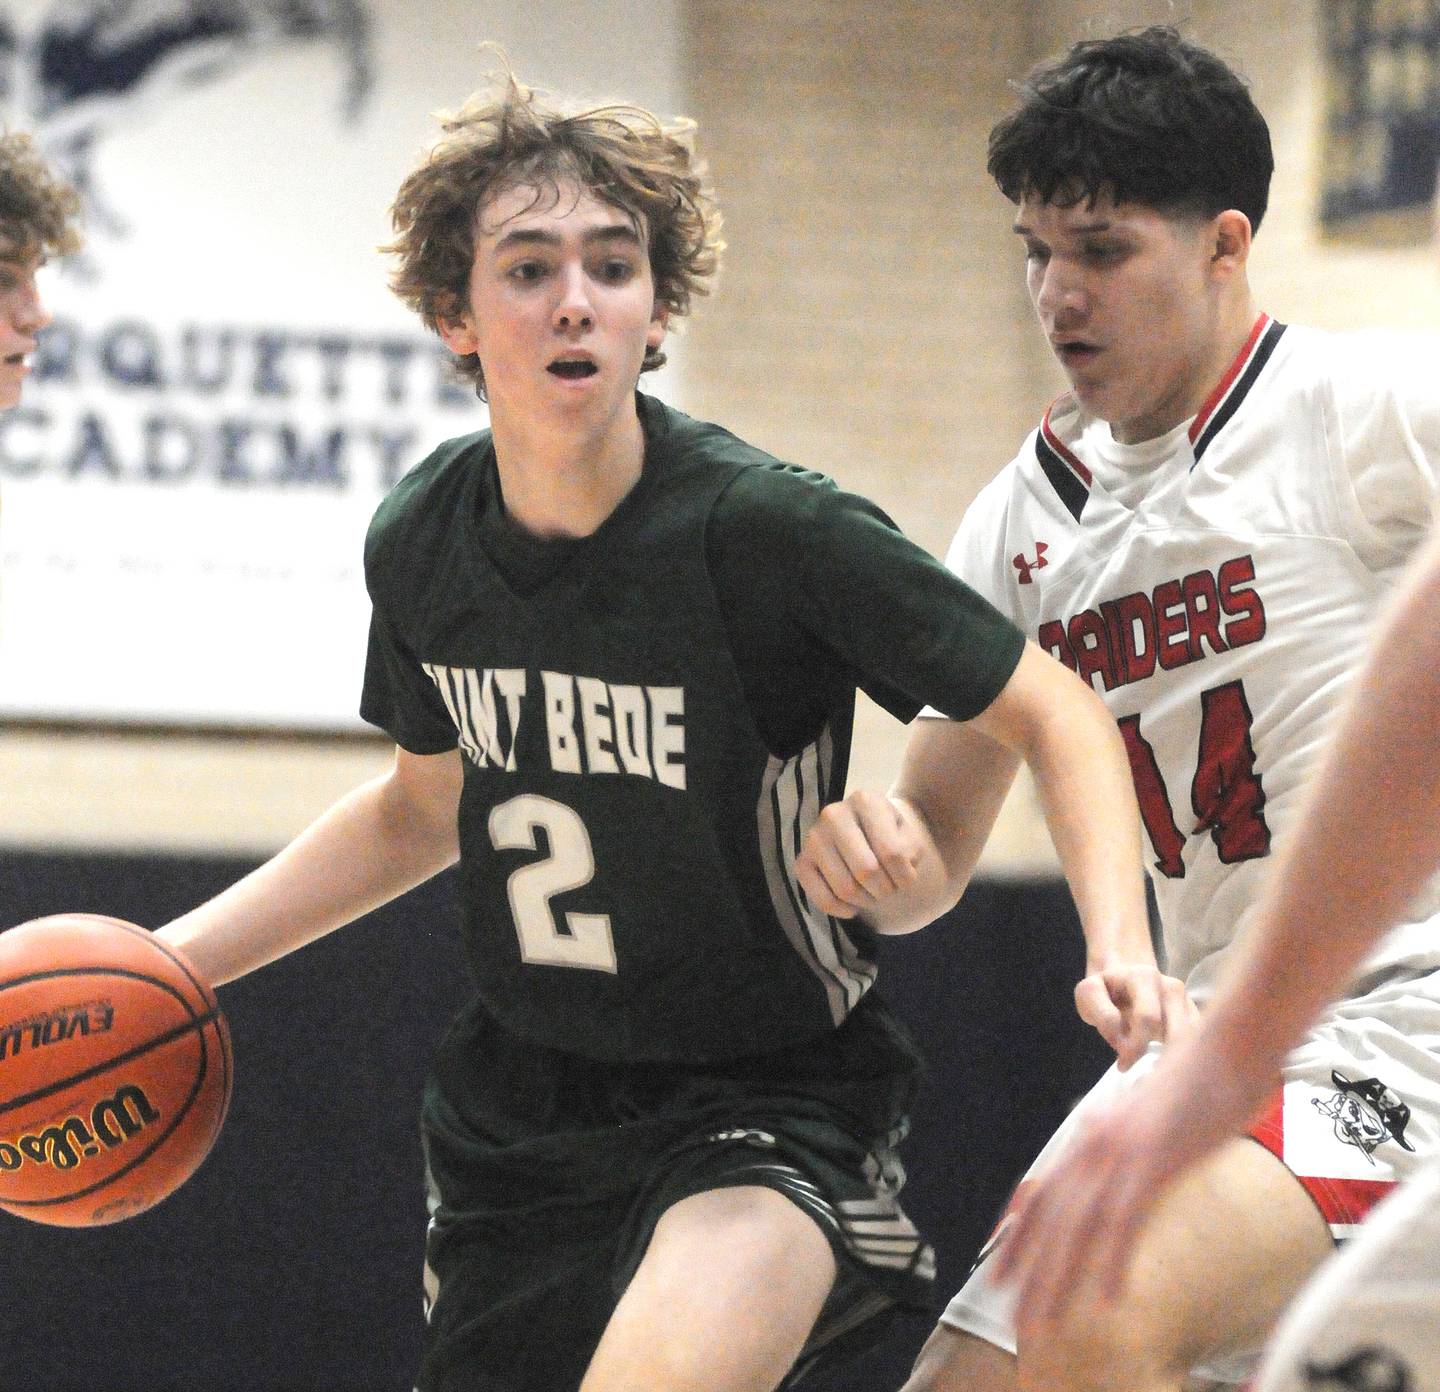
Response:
column 1133, row 1004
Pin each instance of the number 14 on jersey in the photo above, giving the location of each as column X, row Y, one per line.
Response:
column 1226, row 793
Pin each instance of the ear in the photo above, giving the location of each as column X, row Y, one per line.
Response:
column 1230, row 236
column 458, row 334
column 659, row 324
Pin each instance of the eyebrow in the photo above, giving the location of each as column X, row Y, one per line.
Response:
column 1099, row 225
column 535, row 236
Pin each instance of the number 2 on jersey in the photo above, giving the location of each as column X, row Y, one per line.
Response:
column 1226, row 793
column 588, row 941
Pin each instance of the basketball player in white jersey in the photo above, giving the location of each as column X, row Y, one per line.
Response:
column 1204, row 527
column 1367, row 842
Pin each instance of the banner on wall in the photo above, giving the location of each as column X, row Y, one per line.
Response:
column 1382, row 129
column 228, row 389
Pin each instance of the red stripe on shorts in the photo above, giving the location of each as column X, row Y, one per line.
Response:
column 1340, row 1201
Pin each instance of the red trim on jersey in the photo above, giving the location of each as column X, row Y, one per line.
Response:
column 1222, row 389
column 1340, row 1201
column 1060, row 448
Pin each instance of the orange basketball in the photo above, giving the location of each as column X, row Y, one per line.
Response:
column 114, row 1070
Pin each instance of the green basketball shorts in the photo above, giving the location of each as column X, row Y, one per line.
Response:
column 548, row 1173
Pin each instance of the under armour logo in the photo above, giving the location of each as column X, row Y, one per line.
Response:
column 1025, row 567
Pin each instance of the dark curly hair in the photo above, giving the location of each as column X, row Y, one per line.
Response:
column 623, row 155
column 1146, row 116
column 38, row 210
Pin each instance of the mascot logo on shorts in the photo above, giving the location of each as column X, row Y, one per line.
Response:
column 1366, row 1113
column 1367, row 1369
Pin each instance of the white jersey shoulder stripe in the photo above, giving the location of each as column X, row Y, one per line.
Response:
column 1068, row 475
column 1235, row 385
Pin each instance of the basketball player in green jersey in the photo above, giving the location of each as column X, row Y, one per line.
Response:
column 618, row 650
column 37, row 221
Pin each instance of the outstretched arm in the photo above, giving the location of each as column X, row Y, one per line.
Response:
column 1366, row 840
column 901, row 861
column 385, row 837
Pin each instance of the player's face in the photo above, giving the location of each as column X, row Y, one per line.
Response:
column 22, row 316
column 1128, row 299
column 561, row 307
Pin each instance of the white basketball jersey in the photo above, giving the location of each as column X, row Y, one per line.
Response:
column 1217, row 587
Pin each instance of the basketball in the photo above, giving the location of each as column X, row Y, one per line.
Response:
column 115, row 1070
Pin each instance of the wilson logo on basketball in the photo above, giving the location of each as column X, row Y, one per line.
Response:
column 56, row 1026
column 112, row 1121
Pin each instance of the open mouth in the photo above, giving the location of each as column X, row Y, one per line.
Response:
column 1075, row 352
column 573, row 369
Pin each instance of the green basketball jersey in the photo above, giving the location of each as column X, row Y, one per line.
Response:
column 650, row 718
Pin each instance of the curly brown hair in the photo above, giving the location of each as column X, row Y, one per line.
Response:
column 38, row 209
column 623, row 155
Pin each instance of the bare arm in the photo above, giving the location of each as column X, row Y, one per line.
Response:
column 385, row 837
column 901, row 861
column 1064, row 732
column 1061, row 728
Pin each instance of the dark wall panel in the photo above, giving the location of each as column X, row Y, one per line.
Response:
column 290, row 1262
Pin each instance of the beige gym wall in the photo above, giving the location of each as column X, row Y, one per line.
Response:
column 870, row 321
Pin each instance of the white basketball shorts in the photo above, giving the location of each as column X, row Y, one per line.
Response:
column 1357, row 1113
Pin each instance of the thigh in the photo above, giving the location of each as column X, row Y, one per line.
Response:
column 532, row 1178
column 1221, row 1254
column 1371, row 1318
column 1225, row 1251
column 953, row 1361
column 724, row 1299
column 554, row 1175
column 1358, row 1112
column 846, row 1191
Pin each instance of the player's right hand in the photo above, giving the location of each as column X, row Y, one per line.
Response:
column 859, row 853
column 1133, row 1004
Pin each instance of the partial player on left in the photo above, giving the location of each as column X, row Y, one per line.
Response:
column 39, row 215
column 114, row 1057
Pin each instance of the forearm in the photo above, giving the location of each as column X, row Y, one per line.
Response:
column 364, row 851
column 951, row 787
column 1296, row 957
column 1082, row 776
